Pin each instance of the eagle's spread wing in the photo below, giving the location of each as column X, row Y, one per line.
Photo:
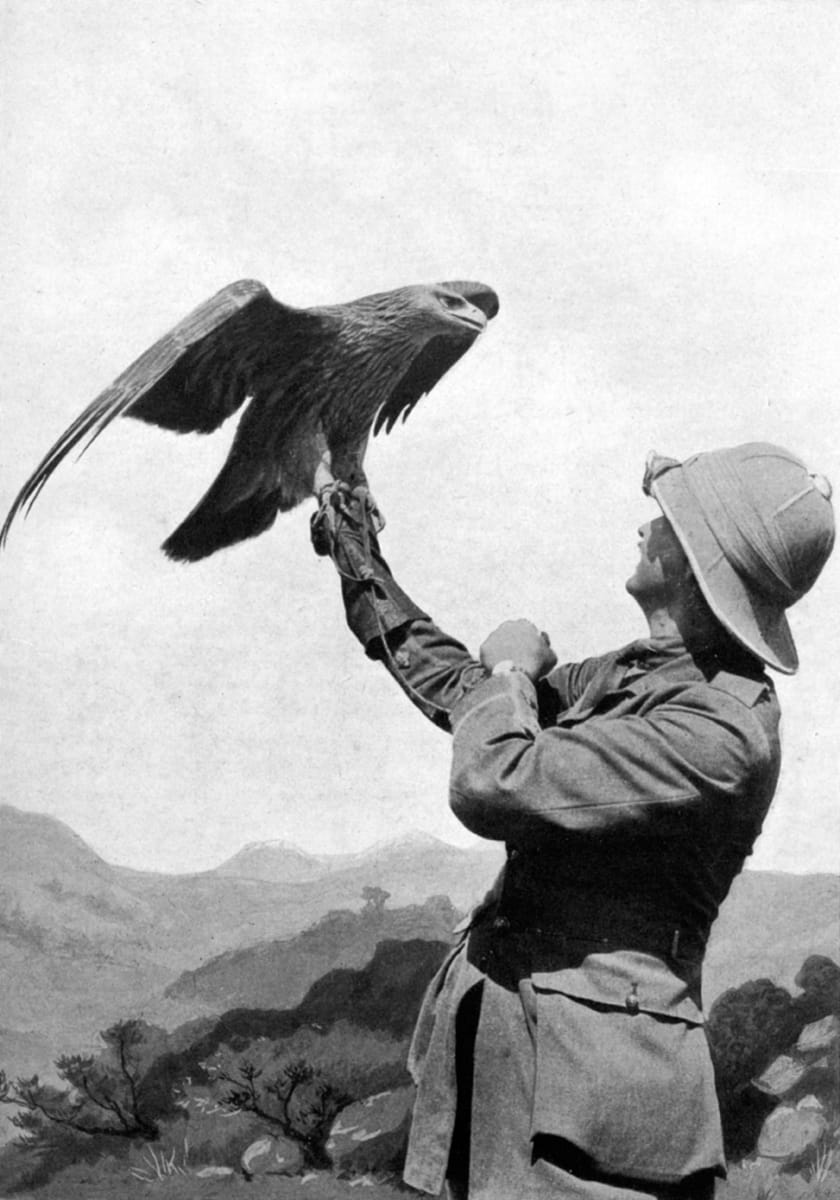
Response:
column 241, row 342
column 318, row 379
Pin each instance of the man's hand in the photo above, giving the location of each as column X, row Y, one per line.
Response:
column 521, row 643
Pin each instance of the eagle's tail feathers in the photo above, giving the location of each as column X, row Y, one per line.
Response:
column 209, row 528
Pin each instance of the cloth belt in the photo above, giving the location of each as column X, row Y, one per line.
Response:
column 685, row 945
column 529, row 903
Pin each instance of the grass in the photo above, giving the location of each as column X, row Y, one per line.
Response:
column 74, row 1184
column 818, row 1179
column 169, row 1172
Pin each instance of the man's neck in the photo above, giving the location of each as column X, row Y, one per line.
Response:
column 684, row 619
column 662, row 625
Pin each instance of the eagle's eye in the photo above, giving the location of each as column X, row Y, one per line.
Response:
column 451, row 301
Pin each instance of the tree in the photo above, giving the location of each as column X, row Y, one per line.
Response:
column 298, row 1100
column 105, row 1094
column 374, row 898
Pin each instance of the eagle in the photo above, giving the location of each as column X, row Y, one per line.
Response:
column 317, row 380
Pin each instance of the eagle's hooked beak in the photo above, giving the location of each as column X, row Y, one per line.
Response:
column 470, row 315
column 457, row 306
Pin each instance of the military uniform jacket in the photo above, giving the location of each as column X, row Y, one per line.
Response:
column 628, row 789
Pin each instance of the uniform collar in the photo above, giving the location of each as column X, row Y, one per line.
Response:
column 727, row 667
column 646, row 654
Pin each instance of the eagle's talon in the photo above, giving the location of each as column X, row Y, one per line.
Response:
column 370, row 508
column 324, row 522
column 334, row 495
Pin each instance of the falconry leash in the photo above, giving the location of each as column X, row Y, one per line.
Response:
column 366, row 576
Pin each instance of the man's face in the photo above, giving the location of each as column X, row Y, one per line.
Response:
column 662, row 564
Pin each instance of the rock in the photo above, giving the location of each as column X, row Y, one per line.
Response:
column 789, row 1132
column 783, row 1074
column 272, row 1156
column 217, row 1135
column 370, row 1136
column 819, row 1036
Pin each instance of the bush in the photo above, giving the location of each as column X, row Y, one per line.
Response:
column 297, row 1085
column 214, row 1135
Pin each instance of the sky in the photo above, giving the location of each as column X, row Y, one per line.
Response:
column 653, row 190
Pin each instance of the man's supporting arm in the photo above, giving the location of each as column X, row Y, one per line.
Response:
column 434, row 670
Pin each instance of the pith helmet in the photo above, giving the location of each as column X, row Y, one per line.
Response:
column 757, row 529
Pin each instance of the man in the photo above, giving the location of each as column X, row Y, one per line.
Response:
column 561, row 1051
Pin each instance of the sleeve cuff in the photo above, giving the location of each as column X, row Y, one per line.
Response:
column 510, row 686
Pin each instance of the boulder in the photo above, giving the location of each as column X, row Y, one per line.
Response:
column 819, row 1036
column 783, row 1074
column 370, row 1136
column 217, row 1135
column 789, row 1132
column 272, row 1156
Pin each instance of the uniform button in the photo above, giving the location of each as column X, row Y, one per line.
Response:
column 402, row 659
column 513, row 855
column 501, row 923
column 631, row 1001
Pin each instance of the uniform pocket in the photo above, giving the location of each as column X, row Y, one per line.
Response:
column 623, row 1069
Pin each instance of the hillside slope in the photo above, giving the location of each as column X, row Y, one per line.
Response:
column 278, row 973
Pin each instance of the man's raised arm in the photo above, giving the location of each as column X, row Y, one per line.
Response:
column 434, row 670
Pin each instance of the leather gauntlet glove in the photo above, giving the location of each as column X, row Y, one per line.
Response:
column 375, row 605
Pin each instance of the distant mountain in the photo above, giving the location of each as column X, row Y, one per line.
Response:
column 396, row 864
column 275, row 862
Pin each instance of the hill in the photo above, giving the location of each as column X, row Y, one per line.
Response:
column 769, row 923
column 767, row 926
column 278, row 973
column 84, row 943
column 383, row 995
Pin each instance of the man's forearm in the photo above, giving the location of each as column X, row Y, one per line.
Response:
column 434, row 670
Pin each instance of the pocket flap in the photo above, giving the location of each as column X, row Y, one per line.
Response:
column 628, row 980
column 635, row 1093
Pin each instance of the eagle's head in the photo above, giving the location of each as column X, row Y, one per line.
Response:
column 451, row 303
column 456, row 311
column 464, row 307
